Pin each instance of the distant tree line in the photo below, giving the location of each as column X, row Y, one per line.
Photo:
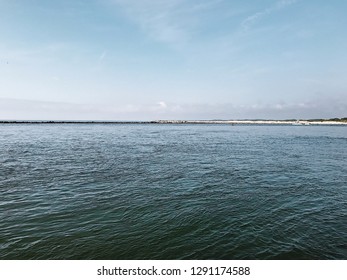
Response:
column 332, row 120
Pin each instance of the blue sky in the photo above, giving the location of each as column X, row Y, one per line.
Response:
column 172, row 59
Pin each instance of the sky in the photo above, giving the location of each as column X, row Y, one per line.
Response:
column 172, row 59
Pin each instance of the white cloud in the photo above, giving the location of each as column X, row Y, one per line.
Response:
column 162, row 104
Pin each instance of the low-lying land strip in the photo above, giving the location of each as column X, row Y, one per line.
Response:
column 261, row 122
column 335, row 121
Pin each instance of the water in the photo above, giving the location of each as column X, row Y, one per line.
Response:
column 78, row 191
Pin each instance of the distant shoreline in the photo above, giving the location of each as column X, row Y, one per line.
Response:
column 230, row 122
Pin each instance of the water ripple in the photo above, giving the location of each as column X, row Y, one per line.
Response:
column 172, row 192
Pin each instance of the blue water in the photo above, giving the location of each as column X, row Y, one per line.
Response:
column 93, row 191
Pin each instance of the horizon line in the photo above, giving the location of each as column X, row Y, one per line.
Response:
column 177, row 121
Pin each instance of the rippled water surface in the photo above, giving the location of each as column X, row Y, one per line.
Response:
column 79, row 191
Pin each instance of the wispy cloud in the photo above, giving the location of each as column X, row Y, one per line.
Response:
column 100, row 61
column 155, row 18
column 102, row 56
column 170, row 21
column 251, row 20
